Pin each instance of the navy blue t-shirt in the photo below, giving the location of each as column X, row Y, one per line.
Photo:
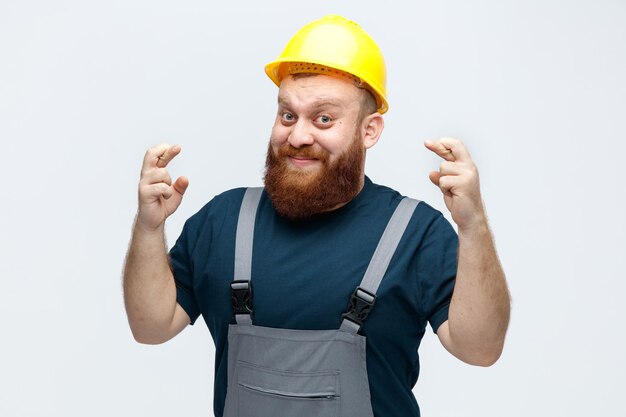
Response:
column 304, row 272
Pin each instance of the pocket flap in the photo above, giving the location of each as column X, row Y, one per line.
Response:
column 284, row 382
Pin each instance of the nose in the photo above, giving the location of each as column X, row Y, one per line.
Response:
column 300, row 134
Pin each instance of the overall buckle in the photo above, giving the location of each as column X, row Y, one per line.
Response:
column 361, row 303
column 241, row 293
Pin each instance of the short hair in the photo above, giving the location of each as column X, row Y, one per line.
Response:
column 368, row 104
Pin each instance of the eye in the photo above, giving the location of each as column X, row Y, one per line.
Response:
column 287, row 117
column 324, row 119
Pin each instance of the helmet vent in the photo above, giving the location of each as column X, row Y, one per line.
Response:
column 289, row 68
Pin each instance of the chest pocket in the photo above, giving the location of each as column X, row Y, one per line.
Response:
column 262, row 391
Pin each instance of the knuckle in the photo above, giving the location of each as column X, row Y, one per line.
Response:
column 146, row 175
column 166, row 191
column 159, row 174
column 145, row 171
column 156, row 150
column 164, row 177
column 151, row 152
column 144, row 192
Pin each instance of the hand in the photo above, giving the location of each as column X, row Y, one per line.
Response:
column 458, row 180
column 158, row 196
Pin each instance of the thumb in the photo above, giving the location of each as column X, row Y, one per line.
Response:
column 180, row 185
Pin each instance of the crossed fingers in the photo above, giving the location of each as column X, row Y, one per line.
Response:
column 159, row 156
column 449, row 149
column 457, row 167
column 153, row 172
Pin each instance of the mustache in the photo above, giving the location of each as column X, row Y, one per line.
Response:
column 307, row 151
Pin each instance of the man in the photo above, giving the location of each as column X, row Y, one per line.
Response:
column 272, row 272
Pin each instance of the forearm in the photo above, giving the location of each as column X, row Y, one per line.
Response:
column 480, row 307
column 149, row 289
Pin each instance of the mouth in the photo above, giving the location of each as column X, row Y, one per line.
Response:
column 302, row 161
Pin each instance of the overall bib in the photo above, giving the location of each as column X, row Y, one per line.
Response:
column 302, row 373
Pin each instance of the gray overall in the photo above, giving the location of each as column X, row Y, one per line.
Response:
column 301, row 373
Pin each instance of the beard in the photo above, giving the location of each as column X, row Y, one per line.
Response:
column 300, row 194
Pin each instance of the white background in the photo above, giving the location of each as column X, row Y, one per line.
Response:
column 536, row 89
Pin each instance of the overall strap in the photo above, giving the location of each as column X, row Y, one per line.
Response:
column 241, row 287
column 364, row 295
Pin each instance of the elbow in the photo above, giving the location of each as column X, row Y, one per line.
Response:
column 485, row 357
column 485, row 361
column 146, row 339
column 145, row 336
column 482, row 350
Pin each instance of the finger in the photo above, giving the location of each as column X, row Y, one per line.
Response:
column 451, row 168
column 179, row 187
column 446, row 183
column 434, row 177
column 449, row 149
column 181, row 184
column 151, row 157
column 438, row 148
column 167, row 156
column 167, row 191
column 156, row 175
column 152, row 192
column 458, row 149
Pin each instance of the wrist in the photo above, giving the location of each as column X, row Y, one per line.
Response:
column 147, row 230
column 478, row 226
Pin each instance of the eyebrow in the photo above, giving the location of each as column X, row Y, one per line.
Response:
column 322, row 101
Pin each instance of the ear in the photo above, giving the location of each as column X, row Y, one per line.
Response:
column 371, row 128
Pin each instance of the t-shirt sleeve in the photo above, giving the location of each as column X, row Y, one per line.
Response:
column 437, row 267
column 183, row 269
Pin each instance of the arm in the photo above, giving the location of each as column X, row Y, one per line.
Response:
column 480, row 307
column 149, row 289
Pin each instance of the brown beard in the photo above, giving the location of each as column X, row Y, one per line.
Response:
column 299, row 195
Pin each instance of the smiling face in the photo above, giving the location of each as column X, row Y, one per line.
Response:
column 317, row 111
column 316, row 156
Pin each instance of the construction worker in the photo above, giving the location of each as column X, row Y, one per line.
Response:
column 317, row 288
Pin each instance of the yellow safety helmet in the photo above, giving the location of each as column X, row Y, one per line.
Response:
column 334, row 45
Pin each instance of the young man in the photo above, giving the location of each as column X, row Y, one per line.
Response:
column 317, row 289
